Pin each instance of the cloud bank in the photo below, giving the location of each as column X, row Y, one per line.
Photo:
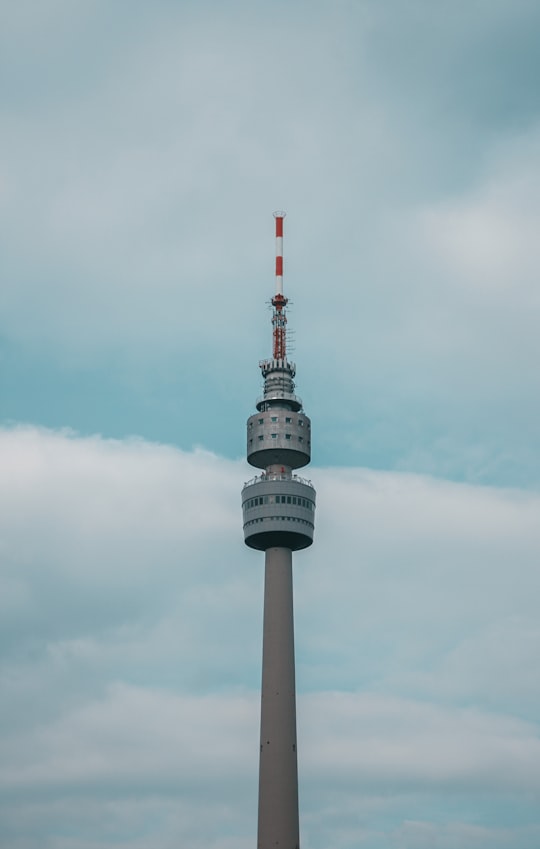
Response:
column 131, row 654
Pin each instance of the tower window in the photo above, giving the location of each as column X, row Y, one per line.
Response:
column 261, row 421
column 288, row 419
column 274, row 436
column 261, row 437
column 274, row 418
column 287, row 436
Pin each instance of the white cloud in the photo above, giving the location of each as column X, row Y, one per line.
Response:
column 131, row 650
column 480, row 252
column 424, row 835
column 379, row 742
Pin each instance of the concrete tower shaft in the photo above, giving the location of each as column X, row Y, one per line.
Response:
column 278, row 511
column 278, row 771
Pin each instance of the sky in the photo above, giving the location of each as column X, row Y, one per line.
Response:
column 144, row 148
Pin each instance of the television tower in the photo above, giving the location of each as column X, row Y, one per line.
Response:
column 279, row 510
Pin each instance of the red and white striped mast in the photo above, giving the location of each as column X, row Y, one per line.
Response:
column 279, row 301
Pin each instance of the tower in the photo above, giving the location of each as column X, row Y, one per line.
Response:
column 278, row 510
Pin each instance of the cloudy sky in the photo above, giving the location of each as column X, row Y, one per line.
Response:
column 144, row 147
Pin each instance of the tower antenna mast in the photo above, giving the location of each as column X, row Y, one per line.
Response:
column 279, row 301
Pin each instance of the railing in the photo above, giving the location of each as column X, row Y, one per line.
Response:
column 278, row 365
column 278, row 395
column 278, row 477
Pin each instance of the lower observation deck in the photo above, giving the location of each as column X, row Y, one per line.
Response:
column 279, row 510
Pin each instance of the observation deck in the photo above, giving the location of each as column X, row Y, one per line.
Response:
column 278, row 510
column 278, row 435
